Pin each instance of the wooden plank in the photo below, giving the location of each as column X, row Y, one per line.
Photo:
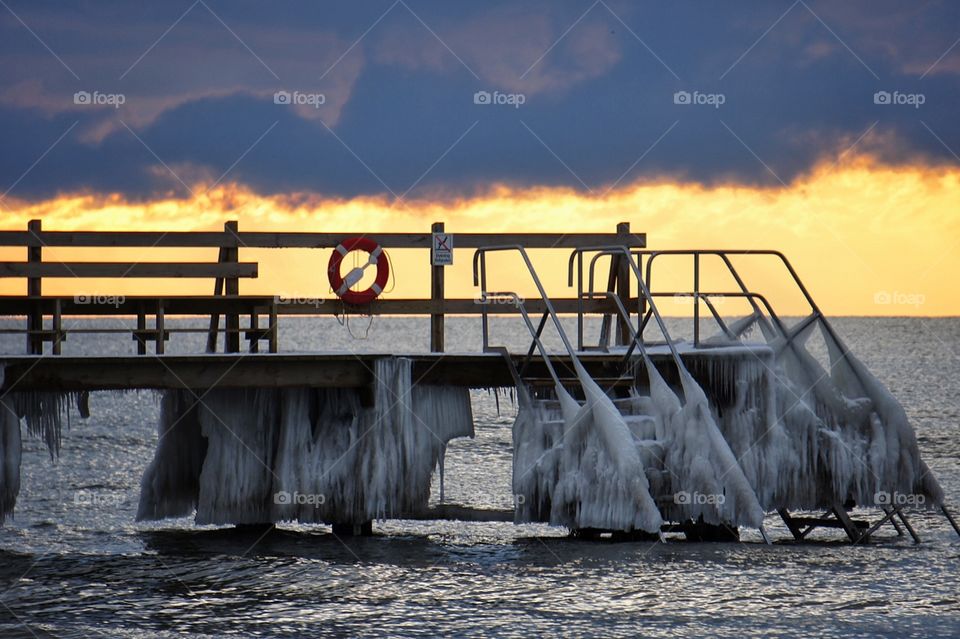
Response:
column 165, row 371
column 257, row 239
column 225, row 370
column 127, row 269
column 96, row 306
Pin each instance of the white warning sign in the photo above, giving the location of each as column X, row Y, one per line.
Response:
column 441, row 253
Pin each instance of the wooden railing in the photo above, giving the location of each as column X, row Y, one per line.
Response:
column 227, row 272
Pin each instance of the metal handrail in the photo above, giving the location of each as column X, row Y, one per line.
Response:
column 635, row 341
column 517, row 301
column 753, row 297
column 644, row 292
column 480, row 279
column 724, row 255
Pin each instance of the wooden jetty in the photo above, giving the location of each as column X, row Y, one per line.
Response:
column 243, row 344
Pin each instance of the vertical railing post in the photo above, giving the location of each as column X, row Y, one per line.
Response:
column 696, row 300
column 160, row 347
column 623, row 284
column 34, row 290
column 484, row 319
column 254, row 332
column 215, row 316
column 141, row 330
column 642, row 300
column 436, row 297
column 57, row 327
column 274, row 330
column 232, row 288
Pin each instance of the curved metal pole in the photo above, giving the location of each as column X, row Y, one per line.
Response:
column 516, row 301
column 536, row 280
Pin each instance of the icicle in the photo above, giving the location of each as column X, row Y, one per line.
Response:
column 170, row 485
column 443, row 453
column 581, row 467
column 9, row 459
column 313, row 455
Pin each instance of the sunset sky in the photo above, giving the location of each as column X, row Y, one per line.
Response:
column 828, row 131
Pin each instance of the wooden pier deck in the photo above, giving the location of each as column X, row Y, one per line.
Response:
column 277, row 370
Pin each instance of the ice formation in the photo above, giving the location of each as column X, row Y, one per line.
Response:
column 303, row 454
column 9, row 458
column 726, row 433
column 773, row 430
column 43, row 413
column 600, row 476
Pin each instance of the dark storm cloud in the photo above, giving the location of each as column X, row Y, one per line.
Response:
column 795, row 81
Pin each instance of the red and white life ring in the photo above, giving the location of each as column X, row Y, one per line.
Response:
column 341, row 285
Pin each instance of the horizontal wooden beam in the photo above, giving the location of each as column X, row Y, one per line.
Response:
column 256, row 239
column 128, row 269
column 320, row 370
column 102, row 305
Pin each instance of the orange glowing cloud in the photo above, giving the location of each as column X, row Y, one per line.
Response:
column 867, row 239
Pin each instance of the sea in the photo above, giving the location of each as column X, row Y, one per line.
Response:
column 75, row 563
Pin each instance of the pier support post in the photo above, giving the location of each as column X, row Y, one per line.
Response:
column 849, row 526
column 232, row 288
column 436, row 297
column 34, row 290
column 953, row 522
